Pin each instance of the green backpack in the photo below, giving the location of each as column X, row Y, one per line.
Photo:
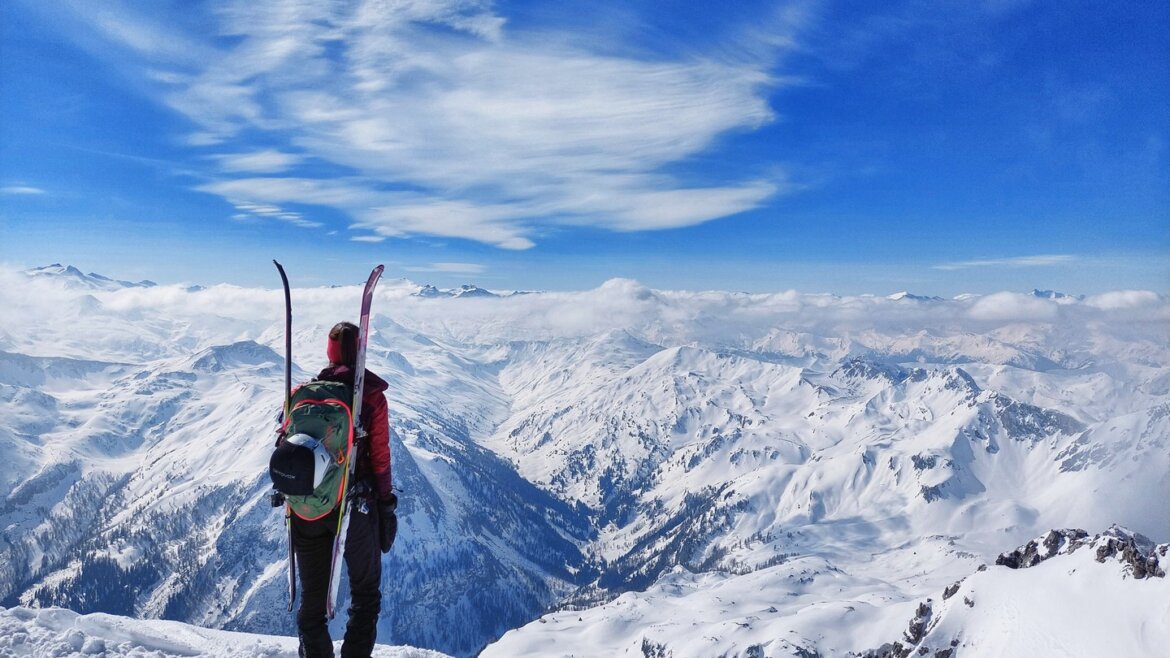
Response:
column 321, row 410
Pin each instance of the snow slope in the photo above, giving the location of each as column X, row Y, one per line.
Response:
column 59, row 632
column 1082, row 597
column 1062, row 594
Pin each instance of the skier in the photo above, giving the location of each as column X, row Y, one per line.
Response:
column 372, row 521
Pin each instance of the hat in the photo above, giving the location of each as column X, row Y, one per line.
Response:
column 342, row 346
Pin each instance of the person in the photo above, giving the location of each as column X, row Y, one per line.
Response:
column 372, row 520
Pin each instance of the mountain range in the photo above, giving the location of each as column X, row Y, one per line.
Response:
column 596, row 472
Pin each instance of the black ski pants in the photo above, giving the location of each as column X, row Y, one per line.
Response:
column 313, row 543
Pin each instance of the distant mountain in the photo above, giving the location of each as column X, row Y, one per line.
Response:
column 74, row 277
column 1052, row 294
column 473, row 291
column 429, row 291
column 914, row 298
column 464, row 291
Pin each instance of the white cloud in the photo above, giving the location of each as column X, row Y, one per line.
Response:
column 495, row 132
column 150, row 38
column 452, row 268
column 20, row 190
column 1011, row 306
column 387, row 214
column 1126, row 299
column 263, row 162
column 258, row 210
column 1042, row 260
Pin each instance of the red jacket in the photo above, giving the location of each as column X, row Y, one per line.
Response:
column 374, row 458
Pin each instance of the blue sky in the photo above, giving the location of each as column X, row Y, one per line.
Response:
column 848, row 147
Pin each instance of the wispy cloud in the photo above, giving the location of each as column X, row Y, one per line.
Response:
column 20, row 189
column 451, row 268
column 249, row 210
column 455, row 126
column 1043, row 260
column 263, row 162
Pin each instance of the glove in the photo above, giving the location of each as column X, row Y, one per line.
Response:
column 388, row 522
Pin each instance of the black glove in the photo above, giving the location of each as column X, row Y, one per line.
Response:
column 388, row 522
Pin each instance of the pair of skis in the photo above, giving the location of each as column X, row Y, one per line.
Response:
column 359, row 379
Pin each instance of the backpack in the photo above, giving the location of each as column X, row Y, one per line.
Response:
column 310, row 465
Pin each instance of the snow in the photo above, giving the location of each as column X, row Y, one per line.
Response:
column 1068, row 607
column 720, row 614
column 1063, row 595
column 59, row 632
column 1071, row 605
column 704, row 472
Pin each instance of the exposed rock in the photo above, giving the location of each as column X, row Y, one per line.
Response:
column 1140, row 556
column 655, row 650
column 1052, row 543
column 917, row 628
column 952, row 590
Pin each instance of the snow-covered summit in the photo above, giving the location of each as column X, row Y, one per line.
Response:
column 73, row 277
column 898, row 296
column 1032, row 602
column 1053, row 294
column 429, row 292
column 243, row 354
column 466, row 290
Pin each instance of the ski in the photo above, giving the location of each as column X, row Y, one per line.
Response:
column 292, row 558
column 359, row 377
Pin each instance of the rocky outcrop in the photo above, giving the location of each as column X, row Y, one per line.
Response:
column 1140, row 556
column 1048, row 545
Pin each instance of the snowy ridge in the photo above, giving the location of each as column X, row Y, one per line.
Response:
column 466, row 290
column 57, row 632
column 777, row 612
column 73, row 277
column 996, row 612
column 764, row 467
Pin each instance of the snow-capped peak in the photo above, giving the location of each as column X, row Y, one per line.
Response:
column 464, row 291
column 74, row 277
column 1052, row 294
column 912, row 297
column 468, row 290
